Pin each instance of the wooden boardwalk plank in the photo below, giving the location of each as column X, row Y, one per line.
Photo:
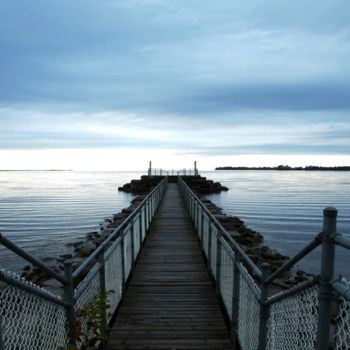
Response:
column 170, row 302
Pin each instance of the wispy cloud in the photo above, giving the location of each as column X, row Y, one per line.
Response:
column 197, row 76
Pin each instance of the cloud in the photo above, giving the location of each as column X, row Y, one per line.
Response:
column 34, row 130
column 197, row 76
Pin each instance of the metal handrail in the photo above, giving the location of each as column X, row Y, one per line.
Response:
column 297, row 257
column 342, row 241
column 326, row 285
column 341, row 289
column 235, row 245
column 95, row 253
column 145, row 211
column 26, row 287
column 30, row 258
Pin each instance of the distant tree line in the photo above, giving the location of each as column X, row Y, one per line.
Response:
column 287, row 167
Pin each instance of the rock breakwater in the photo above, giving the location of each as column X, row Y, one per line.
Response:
column 202, row 185
column 80, row 251
column 142, row 186
column 252, row 244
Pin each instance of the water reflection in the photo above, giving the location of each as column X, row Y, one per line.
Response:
column 286, row 207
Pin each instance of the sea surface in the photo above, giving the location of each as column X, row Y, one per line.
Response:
column 286, row 207
column 43, row 211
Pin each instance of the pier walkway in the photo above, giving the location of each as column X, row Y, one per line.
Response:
column 170, row 302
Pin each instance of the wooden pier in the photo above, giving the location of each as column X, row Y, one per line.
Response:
column 170, row 302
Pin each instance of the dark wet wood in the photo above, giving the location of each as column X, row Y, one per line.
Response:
column 170, row 303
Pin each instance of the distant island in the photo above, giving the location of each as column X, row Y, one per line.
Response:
column 287, row 167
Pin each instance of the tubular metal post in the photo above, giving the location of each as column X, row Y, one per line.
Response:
column 199, row 210
column 218, row 264
column 148, row 212
column 140, row 230
column 145, row 218
column 101, row 261
column 235, row 301
column 122, row 245
column 327, row 272
column 202, row 229
column 264, row 309
column 69, row 295
column 194, row 211
column 132, row 244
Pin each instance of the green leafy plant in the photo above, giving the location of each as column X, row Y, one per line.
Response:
column 93, row 314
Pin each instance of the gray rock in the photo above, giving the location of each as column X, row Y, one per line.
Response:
column 86, row 250
column 54, row 286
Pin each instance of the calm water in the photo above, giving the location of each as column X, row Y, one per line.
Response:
column 286, row 207
column 43, row 211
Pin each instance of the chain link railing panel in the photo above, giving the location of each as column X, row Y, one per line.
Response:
column 226, row 280
column 248, row 321
column 113, row 277
column 342, row 321
column 28, row 320
column 127, row 252
column 214, row 244
column 293, row 321
column 136, row 237
column 205, row 234
column 199, row 222
column 143, row 226
column 92, row 289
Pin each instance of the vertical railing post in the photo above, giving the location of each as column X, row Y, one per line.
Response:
column 264, row 309
column 101, row 261
column 195, row 214
column 202, row 228
column 218, row 264
column 193, row 209
column 69, row 296
column 191, row 205
column 140, row 229
column 148, row 212
column 132, row 243
column 145, row 217
column 327, row 273
column 235, row 300
column 122, row 245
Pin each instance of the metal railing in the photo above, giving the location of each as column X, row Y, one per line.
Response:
column 298, row 318
column 33, row 318
column 172, row 172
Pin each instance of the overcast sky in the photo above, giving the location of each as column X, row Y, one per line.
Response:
column 110, row 85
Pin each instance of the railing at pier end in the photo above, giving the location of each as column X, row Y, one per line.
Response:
column 33, row 318
column 173, row 172
column 298, row 318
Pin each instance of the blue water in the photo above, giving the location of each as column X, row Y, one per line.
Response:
column 287, row 207
column 43, row 211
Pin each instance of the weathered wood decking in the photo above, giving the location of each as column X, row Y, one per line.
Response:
column 170, row 302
